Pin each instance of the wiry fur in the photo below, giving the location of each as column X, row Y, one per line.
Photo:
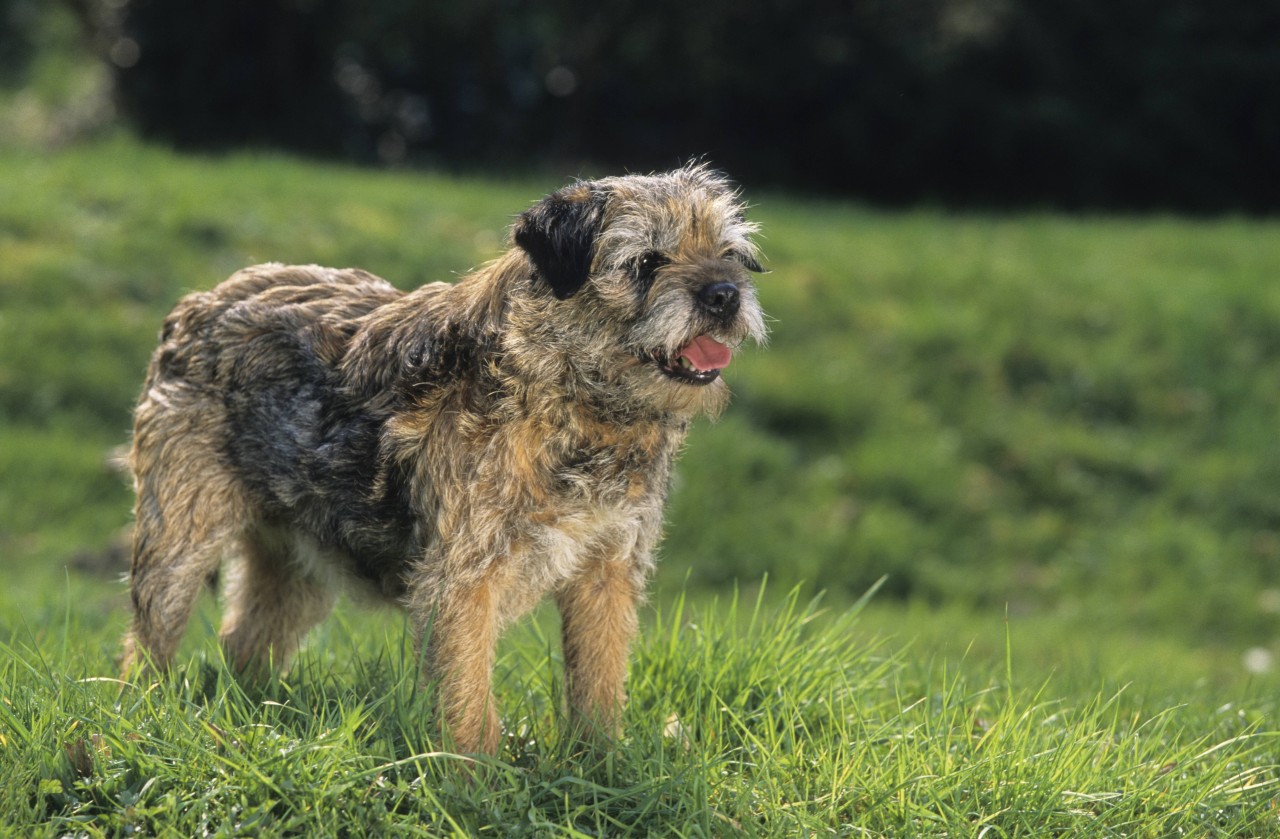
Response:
column 463, row 450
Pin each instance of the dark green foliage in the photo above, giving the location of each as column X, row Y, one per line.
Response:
column 1129, row 103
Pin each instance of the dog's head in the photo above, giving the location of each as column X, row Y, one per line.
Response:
column 645, row 281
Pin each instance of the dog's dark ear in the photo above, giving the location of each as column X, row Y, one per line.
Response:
column 559, row 234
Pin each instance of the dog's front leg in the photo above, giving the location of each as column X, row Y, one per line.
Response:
column 598, row 623
column 460, row 655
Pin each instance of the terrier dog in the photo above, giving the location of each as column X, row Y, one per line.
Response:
column 462, row 449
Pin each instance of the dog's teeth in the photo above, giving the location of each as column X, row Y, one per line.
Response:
column 686, row 363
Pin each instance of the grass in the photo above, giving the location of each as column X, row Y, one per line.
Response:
column 1051, row 436
column 746, row 720
column 1064, row 414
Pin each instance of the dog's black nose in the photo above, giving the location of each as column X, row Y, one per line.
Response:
column 720, row 298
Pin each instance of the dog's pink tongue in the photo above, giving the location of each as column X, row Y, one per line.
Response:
column 707, row 353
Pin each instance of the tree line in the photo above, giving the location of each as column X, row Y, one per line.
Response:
column 1126, row 104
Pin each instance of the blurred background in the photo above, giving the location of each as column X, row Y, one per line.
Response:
column 1025, row 355
column 1167, row 104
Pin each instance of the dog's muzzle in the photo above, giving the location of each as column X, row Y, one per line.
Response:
column 718, row 303
column 697, row 363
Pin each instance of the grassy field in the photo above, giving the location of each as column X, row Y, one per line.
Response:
column 1051, row 436
column 744, row 721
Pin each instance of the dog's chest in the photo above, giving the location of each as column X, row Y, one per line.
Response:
column 612, row 465
column 556, row 552
column 600, row 478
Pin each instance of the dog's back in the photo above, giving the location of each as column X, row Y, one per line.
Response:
column 236, row 332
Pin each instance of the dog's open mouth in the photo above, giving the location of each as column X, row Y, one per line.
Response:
column 697, row 363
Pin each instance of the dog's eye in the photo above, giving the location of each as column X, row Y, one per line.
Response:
column 649, row 263
column 746, row 261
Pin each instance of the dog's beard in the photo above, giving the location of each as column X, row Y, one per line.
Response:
column 656, row 390
column 680, row 353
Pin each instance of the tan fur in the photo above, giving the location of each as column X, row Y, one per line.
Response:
column 463, row 450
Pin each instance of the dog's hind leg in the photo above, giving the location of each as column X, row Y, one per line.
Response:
column 189, row 512
column 179, row 541
column 273, row 596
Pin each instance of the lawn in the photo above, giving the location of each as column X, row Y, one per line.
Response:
column 1043, row 441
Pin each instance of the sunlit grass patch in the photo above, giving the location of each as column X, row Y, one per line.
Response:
column 745, row 719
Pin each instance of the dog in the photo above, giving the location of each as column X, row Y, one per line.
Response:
column 463, row 450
